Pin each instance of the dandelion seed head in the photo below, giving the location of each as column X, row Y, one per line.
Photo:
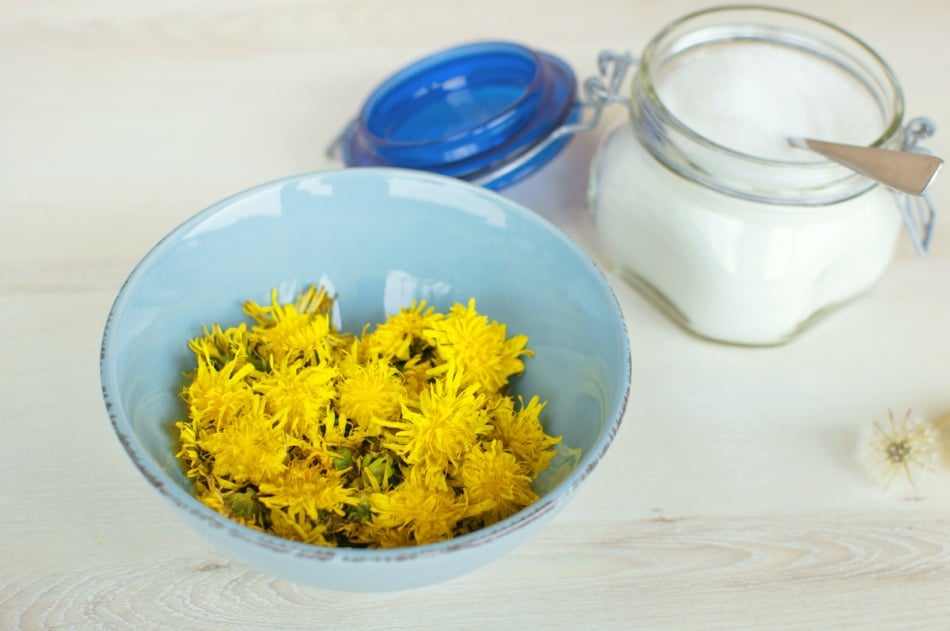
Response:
column 898, row 449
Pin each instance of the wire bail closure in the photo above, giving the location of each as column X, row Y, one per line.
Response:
column 599, row 91
column 917, row 212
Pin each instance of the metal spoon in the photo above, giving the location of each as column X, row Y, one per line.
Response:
column 904, row 171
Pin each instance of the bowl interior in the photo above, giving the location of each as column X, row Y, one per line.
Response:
column 378, row 238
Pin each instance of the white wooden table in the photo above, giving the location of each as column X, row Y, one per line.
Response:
column 731, row 498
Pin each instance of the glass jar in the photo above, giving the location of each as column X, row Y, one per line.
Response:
column 703, row 205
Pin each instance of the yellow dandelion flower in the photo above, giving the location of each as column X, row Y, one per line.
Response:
column 299, row 528
column 429, row 514
column 359, row 529
column 212, row 498
column 216, row 397
column 466, row 341
column 494, row 482
column 370, row 393
column 307, row 490
column 335, row 434
column 395, row 338
column 218, row 346
column 521, row 432
column 310, row 301
column 314, row 300
column 415, row 374
column 437, row 434
column 297, row 394
column 206, row 350
column 188, row 451
column 347, row 354
column 284, row 333
column 250, row 449
column 239, row 504
column 378, row 537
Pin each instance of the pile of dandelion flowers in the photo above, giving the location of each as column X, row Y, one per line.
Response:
column 401, row 436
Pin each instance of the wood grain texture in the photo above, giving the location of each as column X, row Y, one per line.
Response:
column 731, row 498
column 740, row 573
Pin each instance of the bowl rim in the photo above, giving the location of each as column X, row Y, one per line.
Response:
column 162, row 483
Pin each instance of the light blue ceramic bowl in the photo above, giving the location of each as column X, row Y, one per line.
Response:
column 379, row 239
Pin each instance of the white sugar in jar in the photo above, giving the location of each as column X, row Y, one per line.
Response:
column 701, row 203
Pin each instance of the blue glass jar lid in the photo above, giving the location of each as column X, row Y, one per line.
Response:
column 473, row 112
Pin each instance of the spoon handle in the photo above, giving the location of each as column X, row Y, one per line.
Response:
column 905, row 171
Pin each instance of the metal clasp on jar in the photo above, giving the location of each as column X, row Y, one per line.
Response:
column 917, row 212
column 599, row 91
